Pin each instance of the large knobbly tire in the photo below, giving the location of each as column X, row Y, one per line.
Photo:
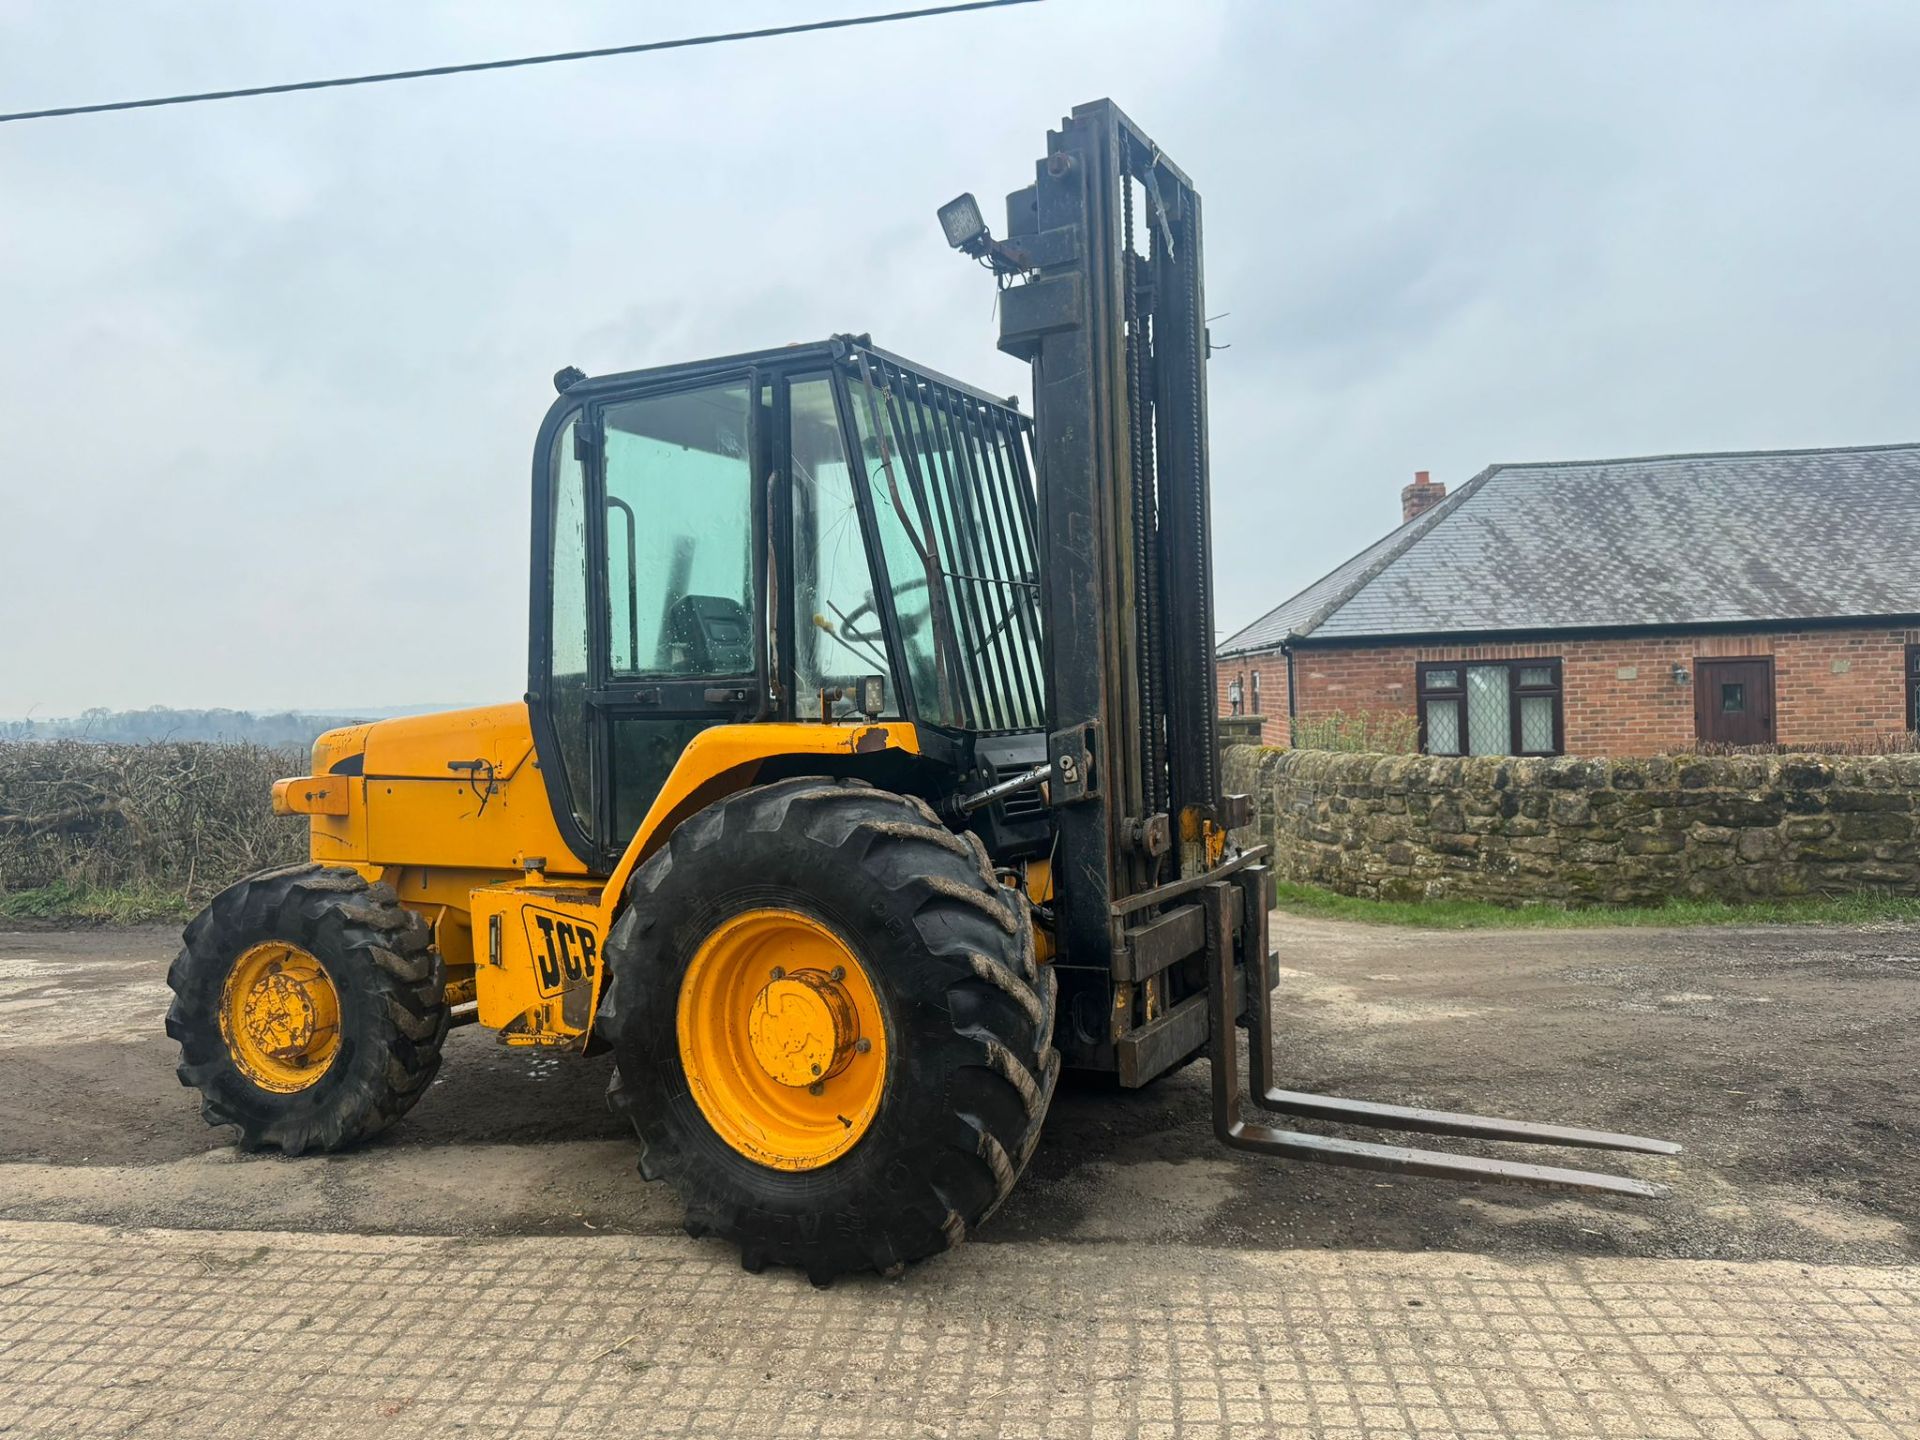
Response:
column 392, row 1013
column 970, row 1065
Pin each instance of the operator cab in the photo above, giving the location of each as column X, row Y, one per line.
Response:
column 882, row 565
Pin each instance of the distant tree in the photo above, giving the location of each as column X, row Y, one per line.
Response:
column 160, row 723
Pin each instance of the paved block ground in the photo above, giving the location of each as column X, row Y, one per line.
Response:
column 235, row 1334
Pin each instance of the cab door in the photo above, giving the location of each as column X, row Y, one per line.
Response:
column 660, row 501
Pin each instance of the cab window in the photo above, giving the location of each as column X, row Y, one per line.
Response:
column 906, row 543
column 837, row 626
column 679, row 528
column 567, row 619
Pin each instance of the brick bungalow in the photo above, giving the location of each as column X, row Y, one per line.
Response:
column 1616, row 607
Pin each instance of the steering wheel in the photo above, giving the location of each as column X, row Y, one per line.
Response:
column 909, row 625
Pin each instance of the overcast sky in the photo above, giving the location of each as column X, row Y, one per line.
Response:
column 270, row 369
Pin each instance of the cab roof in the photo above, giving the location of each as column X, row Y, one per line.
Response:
column 809, row 355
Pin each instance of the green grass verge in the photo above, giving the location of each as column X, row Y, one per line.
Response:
column 1479, row 915
column 67, row 904
column 91, row 905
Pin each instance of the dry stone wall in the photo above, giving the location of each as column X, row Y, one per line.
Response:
column 1583, row 831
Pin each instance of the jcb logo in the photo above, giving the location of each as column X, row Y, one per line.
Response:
column 564, row 949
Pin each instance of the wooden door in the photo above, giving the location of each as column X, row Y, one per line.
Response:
column 1733, row 701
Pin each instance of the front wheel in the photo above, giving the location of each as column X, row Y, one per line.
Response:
column 828, row 1027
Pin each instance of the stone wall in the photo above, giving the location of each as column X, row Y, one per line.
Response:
column 1576, row 831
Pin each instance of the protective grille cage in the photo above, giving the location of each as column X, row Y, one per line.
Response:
column 966, row 463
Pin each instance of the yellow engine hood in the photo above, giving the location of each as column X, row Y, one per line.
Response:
column 443, row 745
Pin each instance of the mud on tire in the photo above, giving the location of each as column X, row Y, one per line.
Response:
column 390, row 984
column 970, row 1060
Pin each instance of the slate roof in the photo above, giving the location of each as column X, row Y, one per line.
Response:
column 1662, row 540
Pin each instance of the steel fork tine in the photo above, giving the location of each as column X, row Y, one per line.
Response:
column 1445, row 1122
column 1217, row 900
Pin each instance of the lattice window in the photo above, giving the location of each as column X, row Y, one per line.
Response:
column 1536, row 724
column 1492, row 707
column 1489, row 709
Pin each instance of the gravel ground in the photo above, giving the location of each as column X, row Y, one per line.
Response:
column 1782, row 1058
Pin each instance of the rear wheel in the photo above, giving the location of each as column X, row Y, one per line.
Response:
column 309, row 1009
column 829, row 1029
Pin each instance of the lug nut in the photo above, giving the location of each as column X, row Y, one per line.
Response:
column 779, row 972
column 816, row 1088
column 862, row 1045
column 839, row 973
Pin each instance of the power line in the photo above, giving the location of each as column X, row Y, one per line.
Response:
column 433, row 71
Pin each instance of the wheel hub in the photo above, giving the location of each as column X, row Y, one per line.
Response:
column 782, row 1038
column 280, row 1017
column 803, row 1028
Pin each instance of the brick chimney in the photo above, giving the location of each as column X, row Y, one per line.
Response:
column 1419, row 497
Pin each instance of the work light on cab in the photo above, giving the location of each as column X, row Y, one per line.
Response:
column 965, row 227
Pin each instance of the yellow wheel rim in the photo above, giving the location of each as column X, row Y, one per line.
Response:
column 280, row 1017
column 781, row 1039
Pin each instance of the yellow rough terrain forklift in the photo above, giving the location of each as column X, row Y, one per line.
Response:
column 867, row 773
